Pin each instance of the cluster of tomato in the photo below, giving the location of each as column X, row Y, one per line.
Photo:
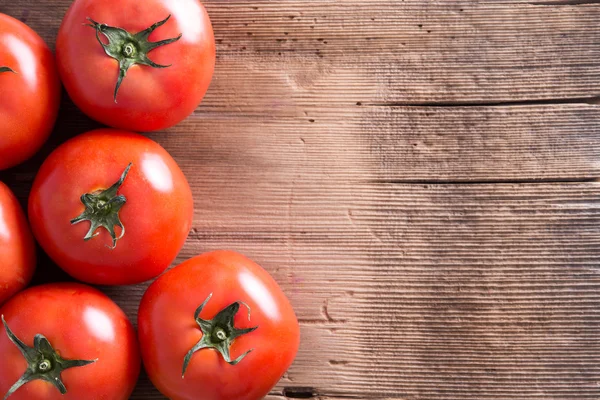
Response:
column 112, row 207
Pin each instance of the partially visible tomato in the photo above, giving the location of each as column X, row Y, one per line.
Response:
column 111, row 207
column 17, row 248
column 243, row 340
column 87, row 348
column 115, row 71
column 29, row 92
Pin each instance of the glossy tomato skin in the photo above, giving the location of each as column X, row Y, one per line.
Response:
column 29, row 98
column 157, row 215
column 81, row 323
column 167, row 329
column 149, row 98
column 17, row 248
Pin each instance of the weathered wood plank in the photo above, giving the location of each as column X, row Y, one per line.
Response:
column 323, row 52
column 400, row 144
column 408, row 52
column 421, row 291
column 379, row 144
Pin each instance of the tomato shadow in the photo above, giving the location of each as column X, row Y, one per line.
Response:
column 70, row 122
column 47, row 271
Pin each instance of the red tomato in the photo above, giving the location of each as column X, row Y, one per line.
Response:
column 111, row 207
column 29, row 94
column 261, row 344
column 161, row 84
column 17, row 249
column 79, row 323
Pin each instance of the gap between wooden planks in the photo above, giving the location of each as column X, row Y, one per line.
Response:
column 367, row 214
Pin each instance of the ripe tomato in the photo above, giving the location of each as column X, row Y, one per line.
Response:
column 242, row 355
column 128, row 66
column 17, row 249
column 87, row 347
column 111, row 207
column 29, row 94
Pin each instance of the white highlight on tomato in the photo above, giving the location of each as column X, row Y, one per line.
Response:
column 99, row 324
column 260, row 294
column 4, row 232
column 157, row 172
column 26, row 58
column 187, row 14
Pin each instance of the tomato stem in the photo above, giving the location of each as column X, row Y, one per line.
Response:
column 6, row 69
column 102, row 210
column 44, row 363
column 218, row 333
column 129, row 49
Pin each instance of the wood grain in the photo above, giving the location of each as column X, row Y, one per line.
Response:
column 401, row 144
column 420, row 178
column 412, row 291
column 409, row 52
column 319, row 52
column 380, row 144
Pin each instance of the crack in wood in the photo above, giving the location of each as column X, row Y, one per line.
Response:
column 305, row 392
column 299, row 392
column 564, row 3
column 481, row 182
column 592, row 100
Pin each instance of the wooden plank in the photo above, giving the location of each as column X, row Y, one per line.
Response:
column 420, row 291
column 281, row 397
column 400, row 144
column 409, row 52
column 319, row 52
column 378, row 144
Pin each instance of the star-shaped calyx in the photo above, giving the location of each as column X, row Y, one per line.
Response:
column 43, row 361
column 6, row 69
column 218, row 333
column 129, row 49
column 102, row 210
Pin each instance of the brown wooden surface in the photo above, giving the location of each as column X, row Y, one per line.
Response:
column 420, row 178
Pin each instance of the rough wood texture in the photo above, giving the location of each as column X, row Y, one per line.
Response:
column 422, row 291
column 419, row 176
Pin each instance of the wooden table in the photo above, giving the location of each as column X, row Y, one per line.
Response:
column 420, row 178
